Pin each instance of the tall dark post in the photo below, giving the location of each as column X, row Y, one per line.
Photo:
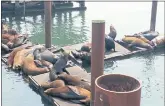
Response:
column 97, row 59
column 153, row 15
column 48, row 23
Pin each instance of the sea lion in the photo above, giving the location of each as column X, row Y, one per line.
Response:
column 150, row 35
column 19, row 58
column 84, row 56
column 140, row 37
column 54, row 84
column 86, row 47
column 73, row 93
column 10, row 59
column 5, row 48
column 113, row 32
column 30, row 68
column 134, row 41
column 109, row 43
column 18, row 55
column 45, row 55
column 159, row 40
column 75, row 81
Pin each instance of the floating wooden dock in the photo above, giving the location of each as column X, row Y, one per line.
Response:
column 35, row 81
column 35, row 6
column 74, row 68
column 121, row 52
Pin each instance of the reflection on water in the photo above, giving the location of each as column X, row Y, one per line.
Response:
column 66, row 26
column 75, row 27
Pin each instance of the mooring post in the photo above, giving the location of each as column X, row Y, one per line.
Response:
column 48, row 23
column 153, row 15
column 97, row 57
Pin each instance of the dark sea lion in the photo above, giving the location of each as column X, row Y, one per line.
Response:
column 150, row 35
column 30, row 68
column 45, row 55
column 54, row 84
column 73, row 93
column 4, row 41
column 5, row 47
column 86, row 47
column 113, row 32
column 75, row 81
column 84, row 56
column 109, row 43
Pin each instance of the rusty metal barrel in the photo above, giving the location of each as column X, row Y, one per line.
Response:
column 117, row 90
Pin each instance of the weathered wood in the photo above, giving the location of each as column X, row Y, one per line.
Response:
column 153, row 16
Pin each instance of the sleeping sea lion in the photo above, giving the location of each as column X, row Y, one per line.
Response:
column 150, row 35
column 113, row 32
column 109, row 43
column 10, row 59
column 84, row 56
column 5, row 47
column 19, row 58
column 140, row 37
column 73, row 93
column 54, row 84
column 159, row 40
column 45, row 55
column 86, row 47
column 19, row 55
column 134, row 41
column 30, row 68
column 75, row 81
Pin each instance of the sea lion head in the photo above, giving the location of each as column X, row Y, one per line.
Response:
column 85, row 48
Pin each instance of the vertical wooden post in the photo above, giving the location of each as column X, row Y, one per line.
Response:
column 97, row 58
column 153, row 15
column 48, row 23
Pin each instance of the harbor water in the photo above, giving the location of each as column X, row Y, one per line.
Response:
column 75, row 27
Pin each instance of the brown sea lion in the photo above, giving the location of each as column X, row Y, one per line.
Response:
column 30, row 68
column 73, row 93
column 140, row 37
column 113, row 32
column 10, row 59
column 75, row 81
column 134, row 41
column 54, row 84
column 19, row 58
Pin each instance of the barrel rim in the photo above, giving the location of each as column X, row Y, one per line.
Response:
column 127, row 92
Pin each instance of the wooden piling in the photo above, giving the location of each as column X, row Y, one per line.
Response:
column 153, row 16
column 97, row 58
column 48, row 23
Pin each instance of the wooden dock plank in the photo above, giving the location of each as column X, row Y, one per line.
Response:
column 120, row 51
column 80, row 72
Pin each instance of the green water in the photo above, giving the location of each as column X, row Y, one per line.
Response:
column 75, row 27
